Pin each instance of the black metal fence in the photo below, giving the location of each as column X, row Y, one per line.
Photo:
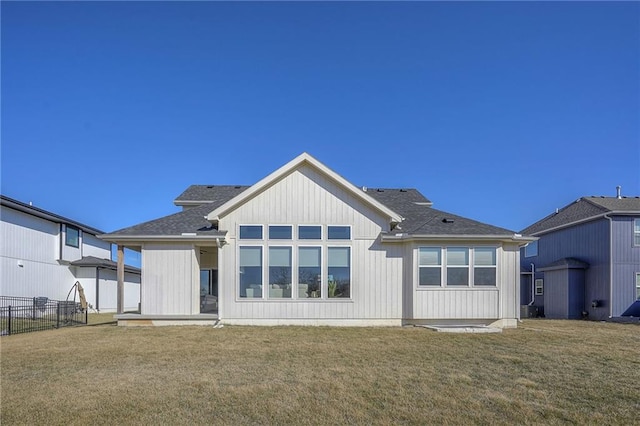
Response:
column 26, row 314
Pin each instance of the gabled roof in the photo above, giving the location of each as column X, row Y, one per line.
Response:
column 44, row 214
column 96, row 262
column 582, row 210
column 421, row 219
column 203, row 194
column 302, row 160
column 566, row 263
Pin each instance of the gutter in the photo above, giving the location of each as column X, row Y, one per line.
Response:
column 219, row 239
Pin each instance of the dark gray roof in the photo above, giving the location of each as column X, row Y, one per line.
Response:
column 421, row 219
column 584, row 208
column 96, row 262
column 44, row 214
column 209, row 193
column 187, row 221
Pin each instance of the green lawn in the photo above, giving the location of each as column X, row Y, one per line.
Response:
column 544, row 372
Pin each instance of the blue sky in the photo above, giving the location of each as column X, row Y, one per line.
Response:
column 498, row 111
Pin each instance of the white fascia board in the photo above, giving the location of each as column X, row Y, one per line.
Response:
column 191, row 202
column 116, row 239
column 513, row 238
column 288, row 168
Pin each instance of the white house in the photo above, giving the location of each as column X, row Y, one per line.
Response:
column 305, row 246
column 43, row 254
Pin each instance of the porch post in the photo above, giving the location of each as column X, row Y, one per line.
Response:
column 120, row 274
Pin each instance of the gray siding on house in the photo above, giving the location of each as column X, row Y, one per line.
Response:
column 626, row 263
column 588, row 242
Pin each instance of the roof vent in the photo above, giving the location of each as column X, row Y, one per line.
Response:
column 210, row 186
column 447, row 220
column 618, row 192
column 403, row 190
column 237, row 186
column 380, row 190
column 364, row 189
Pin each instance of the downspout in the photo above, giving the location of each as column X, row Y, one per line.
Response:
column 533, row 284
column 610, row 265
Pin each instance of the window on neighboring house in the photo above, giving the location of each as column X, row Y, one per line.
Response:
column 638, row 286
column 484, row 266
column 430, row 266
column 636, row 232
column 339, row 272
column 280, row 272
column 531, row 249
column 309, row 272
column 457, row 266
column 72, row 236
column 250, row 264
column 250, row 232
column 539, row 286
column 280, row 232
column 339, row 232
column 309, row 232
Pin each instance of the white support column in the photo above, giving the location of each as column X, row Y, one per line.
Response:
column 120, row 275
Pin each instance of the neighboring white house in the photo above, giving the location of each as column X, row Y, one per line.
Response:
column 43, row 254
column 305, row 246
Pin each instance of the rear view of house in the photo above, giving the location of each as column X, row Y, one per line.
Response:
column 586, row 263
column 43, row 254
column 305, row 246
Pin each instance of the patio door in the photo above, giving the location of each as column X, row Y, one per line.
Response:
column 208, row 290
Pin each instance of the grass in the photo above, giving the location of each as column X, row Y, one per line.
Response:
column 551, row 372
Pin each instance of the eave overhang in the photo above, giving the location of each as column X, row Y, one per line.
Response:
column 401, row 238
column 587, row 219
column 218, row 240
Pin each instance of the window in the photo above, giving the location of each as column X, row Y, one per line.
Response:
column 531, row 249
column 457, row 266
column 250, row 232
column 308, row 232
column 638, row 286
column 250, row 272
column 279, row 272
column 339, row 272
column 636, row 232
column 280, row 232
column 339, row 232
column 72, row 236
column 539, row 286
column 309, row 272
column 430, row 266
column 484, row 266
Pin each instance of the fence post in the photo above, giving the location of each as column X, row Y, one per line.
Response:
column 86, row 316
column 58, row 315
column 33, row 313
column 9, row 320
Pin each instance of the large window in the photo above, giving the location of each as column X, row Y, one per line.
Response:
column 636, row 232
column 457, row 266
column 339, row 271
column 484, row 266
column 250, row 272
column 430, row 266
column 72, row 236
column 278, row 264
column 309, row 272
column 280, row 272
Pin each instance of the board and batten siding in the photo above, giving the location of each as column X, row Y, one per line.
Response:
column 626, row 264
column 308, row 197
column 107, row 286
column 473, row 303
column 170, row 279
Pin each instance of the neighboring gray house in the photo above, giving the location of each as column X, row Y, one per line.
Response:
column 305, row 246
column 586, row 263
column 43, row 254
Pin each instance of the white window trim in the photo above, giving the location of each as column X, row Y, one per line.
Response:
column 537, row 287
column 325, row 279
column 336, row 240
column 268, row 266
column 311, row 241
column 431, row 266
column 636, row 223
column 443, row 285
column 637, row 287
column 268, row 236
column 263, row 257
column 250, row 239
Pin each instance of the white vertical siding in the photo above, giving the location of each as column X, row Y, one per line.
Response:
column 308, row 197
column 170, row 279
column 509, row 283
column 93, row 246
column 107, row 286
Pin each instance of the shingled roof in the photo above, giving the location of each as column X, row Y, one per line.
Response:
column 419, row 217
column 584, row 208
